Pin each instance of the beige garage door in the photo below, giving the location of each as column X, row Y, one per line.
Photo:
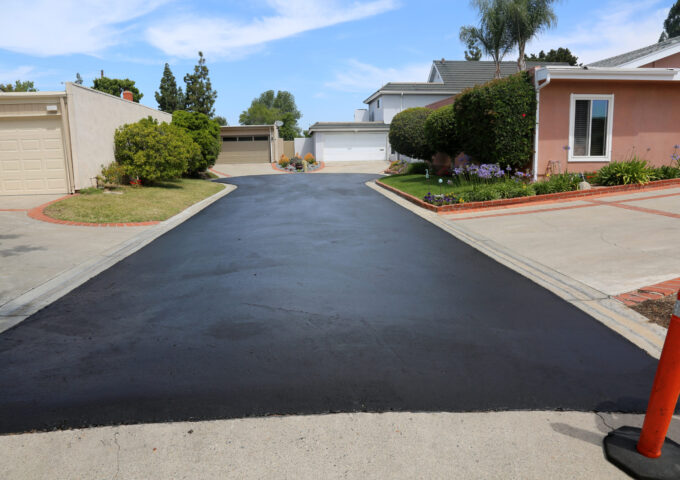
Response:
column 31, row 156
column 244, row 149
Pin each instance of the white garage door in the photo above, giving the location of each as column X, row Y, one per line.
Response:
column 348, row 147
column 31, row 156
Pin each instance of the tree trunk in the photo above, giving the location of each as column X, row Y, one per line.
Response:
column 498, row 69
column 521, row 62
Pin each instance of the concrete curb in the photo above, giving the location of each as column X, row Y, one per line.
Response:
column 624, row 321
column 18, row 309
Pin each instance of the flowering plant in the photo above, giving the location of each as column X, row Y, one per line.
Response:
column 444, row 199
column 136, row 182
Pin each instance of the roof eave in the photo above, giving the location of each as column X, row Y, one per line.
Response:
column 609, row 73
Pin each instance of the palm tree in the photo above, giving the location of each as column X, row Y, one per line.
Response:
column 493, row 33
column 526, row 19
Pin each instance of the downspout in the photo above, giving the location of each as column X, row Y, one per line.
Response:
column 538, row 110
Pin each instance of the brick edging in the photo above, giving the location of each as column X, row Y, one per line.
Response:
column 218, row 172
column 38, row 213
column 652, row 292
column 533, row 199
column 276, row 167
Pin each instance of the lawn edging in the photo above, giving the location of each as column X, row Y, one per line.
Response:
column 533, row 199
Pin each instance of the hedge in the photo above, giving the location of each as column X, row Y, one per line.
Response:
column 495, row 122
column 153, row 151
column 407, row 133
column 440, row 131
column 205, row 132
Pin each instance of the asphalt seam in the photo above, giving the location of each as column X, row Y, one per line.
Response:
column 611, row 313
column 17, row 310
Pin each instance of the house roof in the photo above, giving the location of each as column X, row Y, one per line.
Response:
column 349, row 126
column 456, row 75
column 608, row 73
column 641, row 56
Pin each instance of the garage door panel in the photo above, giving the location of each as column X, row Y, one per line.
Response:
column 31, row 156
column 347, row 147
column 253, row 151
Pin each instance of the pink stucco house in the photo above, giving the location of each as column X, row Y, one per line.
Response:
column 609, row 110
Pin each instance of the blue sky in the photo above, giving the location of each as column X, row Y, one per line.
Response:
column 330, row 54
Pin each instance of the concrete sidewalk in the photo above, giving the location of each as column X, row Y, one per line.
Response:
column 493, row 445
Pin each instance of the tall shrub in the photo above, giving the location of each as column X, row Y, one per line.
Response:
column 153, row 151
column 407, row 133
column 440, row 131
column 495, row 121
column 205, row 132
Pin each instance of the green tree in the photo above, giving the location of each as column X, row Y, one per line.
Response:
column 205, row 132
column 407, row 133
column 473, row 52
column 560, row 55
column 671, row 26
column 116, row 86
column 18, row 86
column 493, row 34
column 79, row 79
column 526, row 19
column 270, row 107
column 222, row 121
column 199, row 95
column 153, row 151
column 170, row 98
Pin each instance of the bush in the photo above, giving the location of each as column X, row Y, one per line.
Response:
column 205, row 132
column 153, row 151
column 560, row 182
column 634, row 170
column 666, row 172
column 440, row 131
column 284, row 161
column 114, row 174
column 417, row 168
column 496, row 191
column 310, row 158
column 407, row 133
column 495, row 122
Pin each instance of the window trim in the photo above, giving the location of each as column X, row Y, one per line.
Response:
column 610, row 127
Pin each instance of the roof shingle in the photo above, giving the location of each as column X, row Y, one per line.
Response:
column 627, row 57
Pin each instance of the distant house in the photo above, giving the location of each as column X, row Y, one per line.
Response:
column 57, row 142
column 609, row 110
column 367, row 137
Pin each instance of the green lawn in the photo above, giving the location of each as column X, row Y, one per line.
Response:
column 418, row 185
column 144, row 204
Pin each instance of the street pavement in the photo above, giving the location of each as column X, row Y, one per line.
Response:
column 306, row 294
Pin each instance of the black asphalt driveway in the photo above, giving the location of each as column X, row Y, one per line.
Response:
column 301, row 294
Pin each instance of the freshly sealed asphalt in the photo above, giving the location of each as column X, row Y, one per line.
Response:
column 300, row 294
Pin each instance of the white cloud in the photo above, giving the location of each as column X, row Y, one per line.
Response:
column 47, row 27
column 357, row 77
column 23, row 72
column 617, row 28
column 230, row 38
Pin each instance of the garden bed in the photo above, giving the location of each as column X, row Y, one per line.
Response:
column 129, row 204
column 532, row 199
column 657, row 311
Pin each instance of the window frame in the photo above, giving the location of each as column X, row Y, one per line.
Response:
column 610, row 127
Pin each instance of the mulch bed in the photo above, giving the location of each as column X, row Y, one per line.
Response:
column 657, row 311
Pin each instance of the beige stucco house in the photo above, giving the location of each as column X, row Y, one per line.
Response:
column 57, row 142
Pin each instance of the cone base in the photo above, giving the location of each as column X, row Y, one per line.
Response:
column 620, row 449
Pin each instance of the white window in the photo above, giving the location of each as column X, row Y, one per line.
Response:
column 590, row 128
column 378, row 103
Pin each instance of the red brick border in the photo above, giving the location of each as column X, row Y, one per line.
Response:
column 38, row 213
column 219, row 173
column 550, row 197
column 652, row 292
column 276, row 167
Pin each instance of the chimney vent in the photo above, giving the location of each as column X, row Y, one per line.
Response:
column 127, row 95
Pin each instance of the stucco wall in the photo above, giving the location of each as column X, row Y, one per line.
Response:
column 672, row 61
column 393, row 104
column 94, row 117
column 646, row 121
column 304, row 145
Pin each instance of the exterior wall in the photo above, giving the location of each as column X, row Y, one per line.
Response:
column 289, row 148
column 375, row 114
column 646, row 121
column 304, row 146
column 361, row 115
column 93, row 118
column 318, row 140
column 393, row 104
column 672, row 61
